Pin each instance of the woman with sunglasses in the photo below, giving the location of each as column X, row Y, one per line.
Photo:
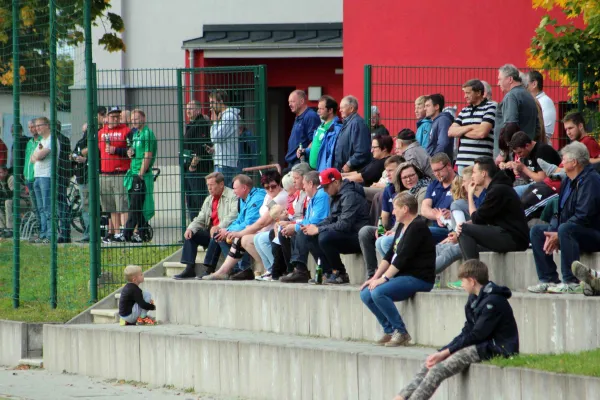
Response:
column 243, row 241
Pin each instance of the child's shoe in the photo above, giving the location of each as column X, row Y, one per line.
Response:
column 146, row 321
column 122, row 322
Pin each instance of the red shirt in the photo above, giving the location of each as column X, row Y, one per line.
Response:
column 214, row 215
column 117, row 137
column 592, row 146
column 3, row 154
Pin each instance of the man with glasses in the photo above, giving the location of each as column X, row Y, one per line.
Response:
column 436, row 206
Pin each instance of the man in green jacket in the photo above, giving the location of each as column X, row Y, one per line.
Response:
column 218, row 211
column 139, row 180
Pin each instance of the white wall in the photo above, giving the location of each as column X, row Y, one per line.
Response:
column 155, row 29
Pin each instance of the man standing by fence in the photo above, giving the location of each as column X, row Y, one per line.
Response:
column 224, row 134
column 305, row 124
column 42, row 160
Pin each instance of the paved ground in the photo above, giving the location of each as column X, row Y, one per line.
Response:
column 38, row 384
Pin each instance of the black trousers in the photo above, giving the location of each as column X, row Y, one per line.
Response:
column 190, row 246
column 281, row 264
column 195, row 192
column 137, row 196
column 475, row 238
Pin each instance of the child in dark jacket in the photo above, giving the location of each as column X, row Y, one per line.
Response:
column 134, row 303
column 490, row 331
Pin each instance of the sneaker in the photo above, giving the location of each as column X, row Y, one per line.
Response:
column 108, row 239
column 135, row 238
column 541, row 287
column 264, row 277
column 438, row 282
column 245, row 275
column 146, row 321
column 337, row 278
column 122, row 322
column 298, row 276
column 383, row 340
column 119, row 238
column 398, row 339
column 589, row 278
column 454, row 285
column 188, row 273
column 568, row 288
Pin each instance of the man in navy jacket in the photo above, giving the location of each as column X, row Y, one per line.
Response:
column 305, row 124
column 576, row 227
column 353, row 146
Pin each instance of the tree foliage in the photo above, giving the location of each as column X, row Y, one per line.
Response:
column 34, row 37
column 561, row 47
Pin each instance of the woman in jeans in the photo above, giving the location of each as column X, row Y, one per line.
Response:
column 408, row 267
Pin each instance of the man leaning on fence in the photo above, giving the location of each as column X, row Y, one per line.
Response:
column 64, row 173
column 41, row 160
column 219, row 210
column 139, row 180
column 224, row 133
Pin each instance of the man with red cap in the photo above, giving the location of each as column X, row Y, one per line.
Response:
column 337, row 234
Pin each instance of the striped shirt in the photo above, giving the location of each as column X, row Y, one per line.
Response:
column 471, row 149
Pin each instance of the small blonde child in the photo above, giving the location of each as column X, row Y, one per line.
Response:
column 135, row 303
column 278, row 213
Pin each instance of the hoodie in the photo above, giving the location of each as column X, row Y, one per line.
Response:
column 423, row 129
column 490, row 324
column 224, row 135
column 502, row 207
column 348, row 210
column 439, row 141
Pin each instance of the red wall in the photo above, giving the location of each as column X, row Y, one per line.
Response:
column 434, row 33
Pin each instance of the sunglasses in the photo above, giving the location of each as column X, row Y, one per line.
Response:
column 272, row 186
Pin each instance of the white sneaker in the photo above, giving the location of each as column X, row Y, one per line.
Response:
column 542, row 287
column 264, row 277
column 566, row 288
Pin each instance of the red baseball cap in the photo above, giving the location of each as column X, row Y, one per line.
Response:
column 329, row 175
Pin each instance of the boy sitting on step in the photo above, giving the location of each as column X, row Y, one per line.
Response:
column 135, row 303
column 490, row 331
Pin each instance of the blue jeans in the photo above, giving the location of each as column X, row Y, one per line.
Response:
column 30, row 187
column 228, row 172
column 573, row 239
column 384, row 244
column 381, row 300
column 438, row 233
column 42, row 199
column 244, row 263
column 264, row 249
column 521, row 189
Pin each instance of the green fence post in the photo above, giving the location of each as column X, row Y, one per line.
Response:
column 580, row 104
column 92, row 139
column 54, row 154
column 367, row 94
column 17, row 128
column 181, row 123
column 262, row 98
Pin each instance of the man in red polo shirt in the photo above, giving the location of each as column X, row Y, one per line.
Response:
column 114, row 163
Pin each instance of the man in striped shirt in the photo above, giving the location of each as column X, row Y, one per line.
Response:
column 474, row 126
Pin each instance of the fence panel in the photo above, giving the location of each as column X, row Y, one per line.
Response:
column 393, row 89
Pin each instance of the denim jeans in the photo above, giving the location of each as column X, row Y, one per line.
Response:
column 263, row 247
column 381, row 300
column 228, row 172
column 243, row 264
column 446, row 254
column 42, row 199
column 384, row 244
column 521, row 189
column 438, row 233
column 573, row 239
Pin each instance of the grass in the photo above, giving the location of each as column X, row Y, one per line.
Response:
column 584, row 363
column 72, row 278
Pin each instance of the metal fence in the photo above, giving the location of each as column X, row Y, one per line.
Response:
column 394, row 89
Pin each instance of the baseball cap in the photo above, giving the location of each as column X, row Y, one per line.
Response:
column 329, row 175
column 406, row 134
column 374, row 110
column 114, row 110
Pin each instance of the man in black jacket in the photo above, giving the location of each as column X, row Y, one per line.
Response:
column 64, row 174
column 499, row 223
column 80, row 168
column 336, row 234
column 490, row 331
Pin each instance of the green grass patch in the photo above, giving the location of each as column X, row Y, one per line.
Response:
column 583, row 363
column 72, row 277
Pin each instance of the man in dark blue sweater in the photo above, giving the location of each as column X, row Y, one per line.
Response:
column 490, row 331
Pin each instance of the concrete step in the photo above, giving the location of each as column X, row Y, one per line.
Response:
column 244, row 364
column 32, row 362
column 547, row 323
column 105, row 316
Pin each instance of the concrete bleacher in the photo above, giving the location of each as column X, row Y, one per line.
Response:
column 268, row 340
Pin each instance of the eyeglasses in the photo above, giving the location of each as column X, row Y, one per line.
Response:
column 408, row 177
column 272, row 186
column 375, row 147
column 437, row 171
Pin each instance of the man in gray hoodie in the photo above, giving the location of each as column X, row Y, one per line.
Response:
column 224, row 134
column 439, row 141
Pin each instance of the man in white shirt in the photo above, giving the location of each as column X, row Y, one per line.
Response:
column 41, row 161
column 535, row 87
column 224, row 134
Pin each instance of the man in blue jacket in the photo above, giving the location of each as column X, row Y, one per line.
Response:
column 576, row 227
column 251, row 199
column 338, row 233
column 305, row 124
column 353, row 146
column 490, row 331
column 439, row 141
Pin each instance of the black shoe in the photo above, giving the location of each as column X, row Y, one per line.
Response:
column 209, row 269
column 135, row 238
column 337, row 278
column 298, row 276
column 63, row 240
column 188, row 273
column 7, row 234
column 108, row 238
column 245, row 275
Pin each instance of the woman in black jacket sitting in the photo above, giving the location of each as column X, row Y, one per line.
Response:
column 408, row 267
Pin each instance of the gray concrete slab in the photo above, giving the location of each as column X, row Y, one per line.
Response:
column 13, row 340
